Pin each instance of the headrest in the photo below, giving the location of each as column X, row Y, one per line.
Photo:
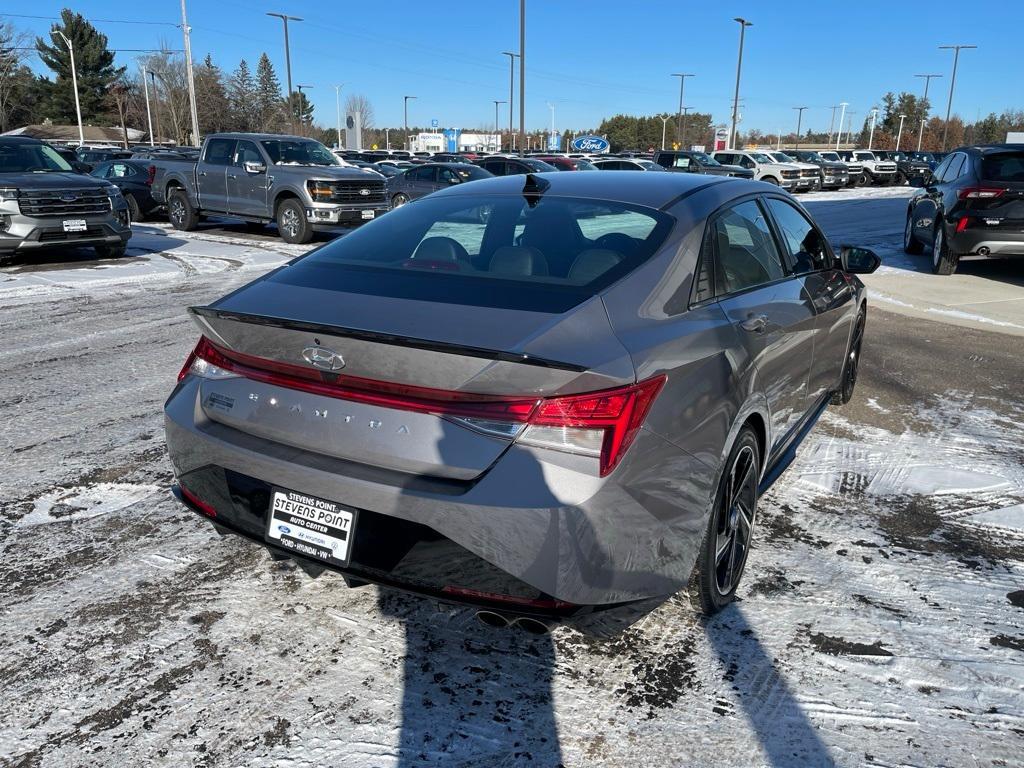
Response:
column 519, row 260
column 592, row 263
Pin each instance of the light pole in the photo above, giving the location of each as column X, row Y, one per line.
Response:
column 952, row 83
column 497, row 130
column 842, row 114
column 406, row 106
column 899, row 134
column 739, row 66
column 285, row 18
column 799, row 122
column 920, row 134
column 664, row 123
column 871, row 136
column 185, row 30
column 337, row 103
column 849, row 128
column 156, row 98
column 74, row 83
column 299, row 89
column 522, row 75
column 149, row 115
column 679, row 120
column 686, row 111
column 511, row 90
column 832, row 122
column 551, row 136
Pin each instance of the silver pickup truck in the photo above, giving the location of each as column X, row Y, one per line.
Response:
column 261, row 178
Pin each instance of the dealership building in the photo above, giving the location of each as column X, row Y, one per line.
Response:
column 455, row 140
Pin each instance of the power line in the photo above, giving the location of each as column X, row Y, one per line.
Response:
column 103, row 21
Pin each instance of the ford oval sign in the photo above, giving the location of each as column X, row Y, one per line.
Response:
column 590, row 144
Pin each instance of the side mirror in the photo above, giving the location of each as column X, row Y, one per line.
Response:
column 858, row 261
column 255, row 167
column 454, row 180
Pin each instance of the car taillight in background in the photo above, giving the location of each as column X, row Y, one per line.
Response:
column 599, row 424
column 150, row 175
column 975, row 193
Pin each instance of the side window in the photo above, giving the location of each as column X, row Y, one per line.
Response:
column 806, row 245
column 447, row 176
column 120, row 171
column 704, row 279
column 943, row 166
column 746, row 250
column 682, row 162
column 666, row 161
column 953, row 169
column 965, row 166
column 429, row 175
column 497, row 167
column 247, row 153
column 746, row 162
column 219, row 151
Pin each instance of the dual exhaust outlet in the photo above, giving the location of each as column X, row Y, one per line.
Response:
column 528, row 624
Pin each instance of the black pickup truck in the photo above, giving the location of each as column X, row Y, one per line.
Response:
column 689, row 161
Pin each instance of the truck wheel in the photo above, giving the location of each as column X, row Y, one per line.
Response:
column 134, row 211
column 292, row 224
column 399, row 200
column 111, row 251
column 911, row 244
column 943, row 259
column 864, row 179
column 180, row 211
column 771, row 180
column 901, row 179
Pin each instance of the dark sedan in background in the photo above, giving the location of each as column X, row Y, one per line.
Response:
column 421, row 180
column 563, row 163
column 135, row 180
column 627, row 164
column 971, row 207
column 498, row 165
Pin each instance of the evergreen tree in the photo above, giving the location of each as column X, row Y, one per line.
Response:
column 303, row 112
column 211, row 98
column 242, row 99
column 273, row 114
column 94, row 65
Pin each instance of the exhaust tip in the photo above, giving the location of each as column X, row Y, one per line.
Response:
column 492, row 619
column 533, row 626
column 984, row 251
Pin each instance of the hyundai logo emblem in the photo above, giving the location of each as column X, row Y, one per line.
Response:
column 68, row 197
column 324, row 359
column 364, row 192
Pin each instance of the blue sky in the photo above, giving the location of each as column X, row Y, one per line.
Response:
column 590, row 59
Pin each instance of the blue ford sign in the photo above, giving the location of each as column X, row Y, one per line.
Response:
column 590, row 144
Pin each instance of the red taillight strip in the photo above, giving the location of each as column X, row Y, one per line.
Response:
column 538, row 602
column 976, row 193
column 202, row 506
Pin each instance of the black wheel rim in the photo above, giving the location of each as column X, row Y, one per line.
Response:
column 908, row 231
column 937, row 247
column 854, row 357
column 177, row 211
column 735, row 524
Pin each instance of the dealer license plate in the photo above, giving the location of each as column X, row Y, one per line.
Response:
column 75, row 225
column 310, row 526
column 368, row 214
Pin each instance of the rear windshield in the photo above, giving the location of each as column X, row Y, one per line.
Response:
column 501, row 251
column 1003, row 166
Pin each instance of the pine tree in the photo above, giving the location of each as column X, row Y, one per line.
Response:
column 94, row 66
column 272, row 108
column 242, row 99
column 303, row 112
column 211, row 98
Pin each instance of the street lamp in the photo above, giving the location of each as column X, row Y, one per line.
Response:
column 799, row 121
column 871, row 136
column 522, row 76
column 156, row 99
column 285, row 18
column 832, row 122
column 899, row 134
column 664, row 123
column 552, row 134
column 185, row 30
column 337, row 103
column 952, row 83
column 739, row 66
column 511, row 90
column 679, row 120
column 686, row 111
column 406, row 105
column 849, row 128
column 149, row 115
column 496, row 129
column 927, row 81
column 842, row 114
column 74, row 82
column 299, row 89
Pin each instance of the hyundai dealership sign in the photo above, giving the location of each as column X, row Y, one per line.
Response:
column 590, row 144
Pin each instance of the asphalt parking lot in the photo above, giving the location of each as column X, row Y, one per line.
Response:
column 880, row 622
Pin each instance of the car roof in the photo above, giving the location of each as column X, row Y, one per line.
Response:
column 256, row 136
column 653, row 190
column 20, row 140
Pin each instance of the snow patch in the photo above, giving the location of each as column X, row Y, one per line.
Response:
column 1008, row 517
column 82, row 502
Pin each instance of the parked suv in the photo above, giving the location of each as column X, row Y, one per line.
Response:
column 688, row 161
column 907, row 167
column 764, row 166
column 875, row 171
column 833, row 174
column 45, row 204
column 854, row 169
column 293, row 181
column 970, row 208
column 810, row 174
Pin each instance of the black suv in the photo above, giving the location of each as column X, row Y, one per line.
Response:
column 907, row 167
column 971, row 207
column 687, row 161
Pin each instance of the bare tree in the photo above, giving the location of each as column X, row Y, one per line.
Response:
column 120, row 94
column 14, row 51
column 359, row 104
column 172, row 90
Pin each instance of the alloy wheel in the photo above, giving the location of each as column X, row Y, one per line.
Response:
column 290, row 222
column 177, row 211
column 735, row 523
column 937, row 244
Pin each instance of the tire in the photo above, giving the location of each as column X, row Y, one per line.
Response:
column 292, row 224
column 723, row 553
column 944, row 261
column 771, row 180
column 399, row 200
column 848, row 379
column 180, row 212
column 911, row 244
column 901, row 179
column 134, row 211
column 111, row 251
column 864, row 179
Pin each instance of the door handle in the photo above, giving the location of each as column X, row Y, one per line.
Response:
column 755, row 323
column 232, row 175
column 202, row 173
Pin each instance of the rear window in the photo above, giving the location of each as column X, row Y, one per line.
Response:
column 1003, row 166
column 502, row 251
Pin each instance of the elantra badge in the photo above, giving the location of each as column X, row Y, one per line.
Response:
column 324, row 359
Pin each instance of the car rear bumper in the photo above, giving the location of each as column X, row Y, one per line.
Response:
column 533, row 518
column 983, row 242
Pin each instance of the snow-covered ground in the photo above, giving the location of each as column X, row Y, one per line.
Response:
column 881, row 619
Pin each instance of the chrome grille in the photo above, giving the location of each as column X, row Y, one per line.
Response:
column 352, row 191
column 64, row 202
column 809, row 173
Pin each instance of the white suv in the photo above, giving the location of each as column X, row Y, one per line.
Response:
column 764, row 166
column 875, row 171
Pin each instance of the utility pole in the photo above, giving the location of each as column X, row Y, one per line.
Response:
column 522, row 76
column 899, row 135
column 156, row 98
column 299, row 89
column 664, row 123
column 682, row 144
column 871, row 136
column 679, row 119
column 285, row 18
column 799, row 122
column 927, row 80
column 337, row 104
column 497, row 130
column 552, row 134
column 839, row 136
column 186, row 30
column 952, row 83
column 74, row 83
column 739, row 67
column 832, row 123
column 406, row 107
column 149, row 115
column 511, row 91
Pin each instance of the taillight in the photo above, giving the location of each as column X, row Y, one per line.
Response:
column 975, row 193
column 202, row 506
column 961, row 225
column 151, row 175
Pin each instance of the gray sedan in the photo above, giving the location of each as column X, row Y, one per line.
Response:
column 421, row 180
column 569, row 404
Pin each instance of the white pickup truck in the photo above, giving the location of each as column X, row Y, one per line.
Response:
column 765, row 167
column 875, row 170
